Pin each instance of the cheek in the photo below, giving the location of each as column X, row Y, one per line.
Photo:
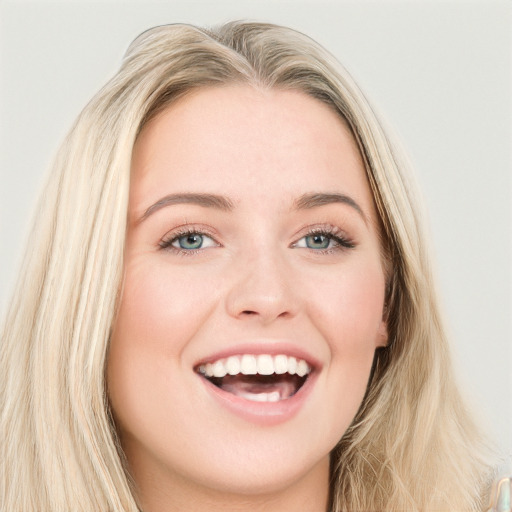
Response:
column 349, row 315
column 160, row 310
column 349, row 311
column 158, row 315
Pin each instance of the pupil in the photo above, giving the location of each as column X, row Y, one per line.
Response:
column 191, row 242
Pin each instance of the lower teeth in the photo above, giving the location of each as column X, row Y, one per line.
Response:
column 258, row 388
column 261, row 397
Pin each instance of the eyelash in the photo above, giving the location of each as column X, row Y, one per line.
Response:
column 332, row 233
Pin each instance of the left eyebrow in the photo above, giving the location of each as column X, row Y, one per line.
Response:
column 307, row 201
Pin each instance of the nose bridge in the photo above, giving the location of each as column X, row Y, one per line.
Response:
column 261, row 286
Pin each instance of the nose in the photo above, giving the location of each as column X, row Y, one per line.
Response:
column 261, row 289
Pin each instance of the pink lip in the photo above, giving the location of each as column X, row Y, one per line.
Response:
column 263, row 413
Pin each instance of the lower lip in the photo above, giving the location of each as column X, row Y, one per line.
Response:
column 263, row 413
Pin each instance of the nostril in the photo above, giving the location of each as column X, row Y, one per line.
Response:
column 253, row 300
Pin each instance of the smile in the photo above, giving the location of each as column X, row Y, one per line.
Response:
column 258, row 378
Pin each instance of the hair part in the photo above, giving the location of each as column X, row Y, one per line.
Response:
column 59, row 447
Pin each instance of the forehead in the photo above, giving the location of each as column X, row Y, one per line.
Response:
column 241, row 140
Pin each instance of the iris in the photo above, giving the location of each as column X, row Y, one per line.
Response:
column 317, row 241
column 190, row 241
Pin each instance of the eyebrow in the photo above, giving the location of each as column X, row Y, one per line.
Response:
column 307, row 201
column 304, row 202
column 204, row 200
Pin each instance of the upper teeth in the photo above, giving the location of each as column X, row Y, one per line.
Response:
column 263, row 364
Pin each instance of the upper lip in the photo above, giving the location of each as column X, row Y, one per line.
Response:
column 271, row 348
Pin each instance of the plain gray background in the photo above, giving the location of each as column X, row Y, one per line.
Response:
column 439, row 72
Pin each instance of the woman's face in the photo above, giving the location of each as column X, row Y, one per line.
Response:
column 253, row 294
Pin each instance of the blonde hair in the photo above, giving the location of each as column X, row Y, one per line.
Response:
column 412, row 445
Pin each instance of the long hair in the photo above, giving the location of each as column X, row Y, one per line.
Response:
column 412, row 445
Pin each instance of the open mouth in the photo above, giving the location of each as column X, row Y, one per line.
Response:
column 258, row 378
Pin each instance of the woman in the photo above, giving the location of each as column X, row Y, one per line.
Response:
column 227, row 300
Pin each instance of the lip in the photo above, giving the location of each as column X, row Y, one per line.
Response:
column 262, row 413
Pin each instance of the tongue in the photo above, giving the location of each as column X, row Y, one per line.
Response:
column 243, row 385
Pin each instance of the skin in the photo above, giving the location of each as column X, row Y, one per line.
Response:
column 255, row 280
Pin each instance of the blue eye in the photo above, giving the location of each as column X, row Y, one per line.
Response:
column 324, row 241
column 192, row 241
column 187, row 241
column 318, row 241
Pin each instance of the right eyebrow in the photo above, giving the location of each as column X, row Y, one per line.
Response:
column 204, row 200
